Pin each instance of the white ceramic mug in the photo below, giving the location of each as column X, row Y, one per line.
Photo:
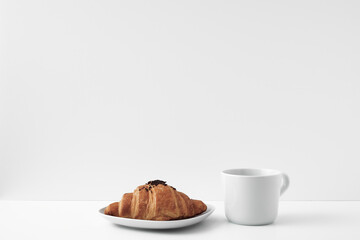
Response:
column 252, row 195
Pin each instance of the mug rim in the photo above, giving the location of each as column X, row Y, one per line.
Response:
column 267, row 172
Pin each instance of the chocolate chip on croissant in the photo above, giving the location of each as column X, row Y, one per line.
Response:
column 156, row 201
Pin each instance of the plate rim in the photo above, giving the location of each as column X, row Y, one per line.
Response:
column 209, row 210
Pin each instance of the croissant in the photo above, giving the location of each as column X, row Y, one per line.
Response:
column 156, row 201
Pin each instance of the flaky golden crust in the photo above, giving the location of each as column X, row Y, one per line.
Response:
column 156, row 202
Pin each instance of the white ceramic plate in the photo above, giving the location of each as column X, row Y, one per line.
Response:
column 150, row 224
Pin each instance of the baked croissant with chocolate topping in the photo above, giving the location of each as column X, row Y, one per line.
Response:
column 156, row 201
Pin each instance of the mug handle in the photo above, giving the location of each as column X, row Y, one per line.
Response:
column 285, row 183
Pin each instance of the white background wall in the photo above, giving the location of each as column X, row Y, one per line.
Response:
column 97, row 97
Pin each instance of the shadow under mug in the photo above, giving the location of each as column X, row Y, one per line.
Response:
column 252, row 195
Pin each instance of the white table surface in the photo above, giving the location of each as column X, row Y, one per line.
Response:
column 81, row 220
